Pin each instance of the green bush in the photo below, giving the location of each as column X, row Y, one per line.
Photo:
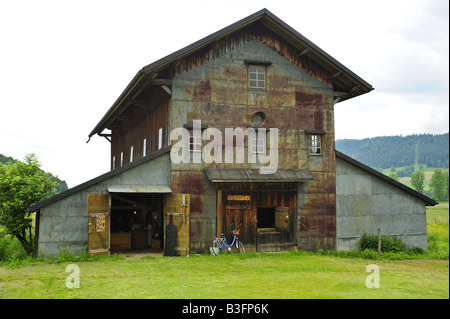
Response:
column 416, row 250
column 10, row 249
column 388, row 244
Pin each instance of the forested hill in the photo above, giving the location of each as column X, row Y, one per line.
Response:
column 61, row 185
column 398, row 151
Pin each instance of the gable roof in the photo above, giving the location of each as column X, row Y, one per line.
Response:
column 428, row 201
column 349, row 84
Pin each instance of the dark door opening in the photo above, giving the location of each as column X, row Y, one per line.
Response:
column 136, row 222
column 266, row 217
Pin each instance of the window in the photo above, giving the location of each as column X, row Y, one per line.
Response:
column 195, row 143
column 258, row 143
column 266, row 217
column 113, row 162
column 144, row 147
column 131, row 153
column 256, row 76
column 160, row 138
column 121, row 158
column 315, row 145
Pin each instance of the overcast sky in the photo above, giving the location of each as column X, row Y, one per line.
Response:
column 64, row 63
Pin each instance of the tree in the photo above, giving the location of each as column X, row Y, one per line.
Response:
column 22, row 184
column 437, row 185
column 417, row 179
column 446, row 186
column 393, row 176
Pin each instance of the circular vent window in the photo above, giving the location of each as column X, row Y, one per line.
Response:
column 258, row 119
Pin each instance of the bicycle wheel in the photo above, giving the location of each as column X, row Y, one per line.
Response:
column 240, row 247
column 215, row 247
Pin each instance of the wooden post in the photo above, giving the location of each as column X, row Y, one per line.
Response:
column 379, row 242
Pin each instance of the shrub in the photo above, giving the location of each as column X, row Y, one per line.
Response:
column 388, row 244
column 369, row 254
column 10, row 248
column 417, row 250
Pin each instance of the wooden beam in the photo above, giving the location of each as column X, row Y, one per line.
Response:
column 124, row 118
column 306, row 51
column 140, row 103
column 107, row 136
column 124, row 207
column 113, row 127
column 136, row 205
column 336, row 75
column 340, row 94
column 167, row 89
column 161, row 82
column 355, row 88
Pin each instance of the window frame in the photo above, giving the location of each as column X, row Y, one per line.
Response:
column 256, row 63
column 193, row 145
column 315, row 144
column 255, row 146
column 257, row 74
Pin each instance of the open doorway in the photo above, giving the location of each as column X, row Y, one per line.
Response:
column 137, row 222
column 266, row 217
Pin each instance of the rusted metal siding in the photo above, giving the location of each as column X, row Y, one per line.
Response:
column 254, row 32
column 212, row 86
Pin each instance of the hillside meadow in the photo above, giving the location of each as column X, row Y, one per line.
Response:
column 407, row 180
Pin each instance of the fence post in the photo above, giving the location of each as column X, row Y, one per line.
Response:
column 379, row 242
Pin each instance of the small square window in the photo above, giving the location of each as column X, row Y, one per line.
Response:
column 256, row 77
column 315, row 145
column 195, row 143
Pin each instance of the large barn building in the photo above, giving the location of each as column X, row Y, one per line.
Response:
column 233, row 131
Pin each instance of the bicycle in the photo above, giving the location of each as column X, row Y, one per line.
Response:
column 220, row 245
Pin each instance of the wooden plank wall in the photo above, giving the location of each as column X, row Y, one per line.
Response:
column 139, row 123
column 245, row 212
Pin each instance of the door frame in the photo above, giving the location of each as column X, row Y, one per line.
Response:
column 286, row 197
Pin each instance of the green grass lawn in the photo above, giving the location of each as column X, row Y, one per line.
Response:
column 255, row 276
column 260, row 276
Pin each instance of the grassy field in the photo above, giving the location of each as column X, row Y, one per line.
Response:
column 254, row 276
column 260, row 276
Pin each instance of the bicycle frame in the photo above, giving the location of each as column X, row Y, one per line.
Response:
column 221, row 243
column 224, row 244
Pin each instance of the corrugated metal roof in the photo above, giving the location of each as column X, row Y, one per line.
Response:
column 98, row 179
column 235, row 175
column 426, row 199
